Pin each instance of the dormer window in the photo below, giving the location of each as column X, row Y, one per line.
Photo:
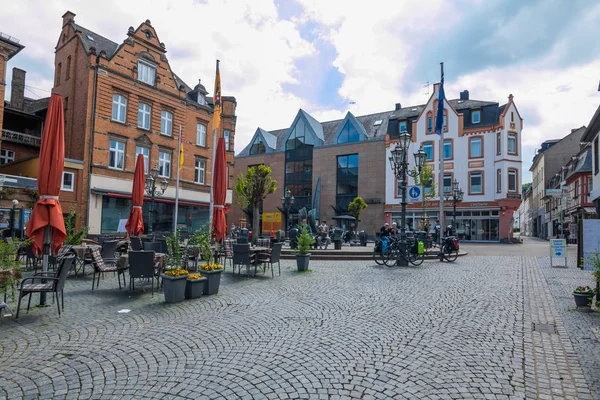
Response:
column 476, row 116
column 348, row 134
column 146, row 72
column 201, row 99
column 258, row 147
column 403, row 126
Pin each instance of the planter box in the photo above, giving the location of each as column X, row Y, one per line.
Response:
column 194, row 289
column 302, row 261
column 583, row 300
column 174, row 288
column 213, row 280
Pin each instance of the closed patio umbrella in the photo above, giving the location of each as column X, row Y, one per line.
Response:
column 219, row 224
column 46, row 224
column 135, row 223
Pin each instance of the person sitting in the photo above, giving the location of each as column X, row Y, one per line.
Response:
column 323, row 239
column 385, row 230
column 394, row 230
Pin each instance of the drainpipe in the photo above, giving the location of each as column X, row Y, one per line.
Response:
column 92, row 128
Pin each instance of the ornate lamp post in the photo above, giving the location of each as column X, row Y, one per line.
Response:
column 399, row 163
column 456, row 195
column 154, row 191
column 286, row 203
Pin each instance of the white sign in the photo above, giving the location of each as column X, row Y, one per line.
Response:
column 121, row 228
column 558, row 249
column 414, row 194
column 554, row 192
column 591, row 241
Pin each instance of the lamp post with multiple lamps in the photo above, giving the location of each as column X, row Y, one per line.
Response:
column 399, row 163
column 456, row 195
column 154, row 191
column 286, row 203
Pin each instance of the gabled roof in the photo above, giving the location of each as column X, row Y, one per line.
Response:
column 357, row 125
column 92, row 39
column 269, row 139
column 314, row 124
column 464, row 104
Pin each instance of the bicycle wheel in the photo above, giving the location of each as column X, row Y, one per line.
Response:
column 378, row 255
column 450, row 254
column 392, row 256
column 416, row 259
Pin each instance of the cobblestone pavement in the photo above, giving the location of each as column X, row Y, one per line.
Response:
column 344, row 330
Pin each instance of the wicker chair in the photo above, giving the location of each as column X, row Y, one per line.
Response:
column 100, row 267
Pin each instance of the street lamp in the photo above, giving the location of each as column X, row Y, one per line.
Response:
column 399, row 163
column 154, row 191
column 456, row 195
column 286, row 202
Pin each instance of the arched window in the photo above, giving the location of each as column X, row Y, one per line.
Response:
column 429, row 122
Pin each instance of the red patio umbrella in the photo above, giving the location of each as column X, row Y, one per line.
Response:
column 135, row 223
column 219, row 224
column 46, row 224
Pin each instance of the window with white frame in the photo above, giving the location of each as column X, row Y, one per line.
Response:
column 119, row 108
column 201, row 135
column 447, row 184
column 512, row 180
column 476, row 116
column 200, row 171
column 67, row 181
column 116, row 158
column 164, row 164
column 402, row 126
column 145, row 151
column 146, row 72
column 6, row 156
column 476, row 148
column 227, row 136
column 166, row 123
column 144, row 116
column 498, row 180
column 512, row 143
column 476, row 183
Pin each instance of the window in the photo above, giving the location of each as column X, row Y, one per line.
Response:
column 498, row 180
column 512, row 116
column 475, row 147
column 444, row 124
column 258, row 147
column 201, row 135
column 6, row 156
column 166, row 123
column 146, row 72
column 475, row 183
column 200, row 171
column 67, row 181
column 512, row 180
column 58, row 72
column 164, row 164
column 428, row 149
column 447, row 183
column 299, row 163
column 576, row 195
column 447, row 149
column 498, row 143
column 144, row 116
column 427, row 187
column 476, row 116
column 119, row 108
column 402, row 126
column 116, row 158
column 429, row 124
column 596, row 155
column 226, row 136
column 347, row 180
column 512, row 143
column 68, row 73
column 146, row 153
column 348, row 134
column 590, row 187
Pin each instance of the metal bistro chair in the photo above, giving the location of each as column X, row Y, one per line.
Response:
column 226, row 252
column 109, row 250
column 54, row 282
column 242, row 256
column 31, row 259
column 272, row 257
column 153, row 246
column 141, row 265
column 263, row 242
column 100, row 267
column 136, row 243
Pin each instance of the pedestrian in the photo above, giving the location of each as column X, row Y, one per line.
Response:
column 305, row 225
column 394, row 230
column 323, row 239
column 385, row 230
column 567, row 233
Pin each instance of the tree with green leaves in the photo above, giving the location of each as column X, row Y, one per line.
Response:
column 74, row 237
column 252, row 188
column 426, row 181
column 356, row 207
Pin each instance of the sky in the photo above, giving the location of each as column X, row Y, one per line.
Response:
column 333, row 56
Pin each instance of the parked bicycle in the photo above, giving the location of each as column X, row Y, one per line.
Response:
column 407, row 249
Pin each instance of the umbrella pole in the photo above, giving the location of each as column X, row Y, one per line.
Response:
column 45, row 259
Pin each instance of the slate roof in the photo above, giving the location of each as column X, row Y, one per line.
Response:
column 92, row 39
column 36, row 105
column 269, row 138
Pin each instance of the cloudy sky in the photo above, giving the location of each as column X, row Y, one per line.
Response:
column 320, row 55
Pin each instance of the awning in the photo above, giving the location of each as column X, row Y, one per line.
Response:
column 589, row 210
column 156, row 199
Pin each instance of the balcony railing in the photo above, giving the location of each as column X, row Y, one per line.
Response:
column 23, row 138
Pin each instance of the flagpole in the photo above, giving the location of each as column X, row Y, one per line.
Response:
column 177, row 182
column 212, row 177
column 441, row 179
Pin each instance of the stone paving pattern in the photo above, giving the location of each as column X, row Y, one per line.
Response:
column 344, row 330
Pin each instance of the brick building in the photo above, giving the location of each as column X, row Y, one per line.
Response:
column 124, row 99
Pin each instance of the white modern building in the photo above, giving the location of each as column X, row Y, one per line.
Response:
column 481, row 150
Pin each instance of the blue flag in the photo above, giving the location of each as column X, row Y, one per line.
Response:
column 439, row 118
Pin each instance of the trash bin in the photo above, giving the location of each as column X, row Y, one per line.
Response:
column 336, row 238
column 362, row 238
column 243, row 238
column 293, row 238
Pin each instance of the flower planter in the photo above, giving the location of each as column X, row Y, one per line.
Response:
column 195, row 288
column 174, row 288
column 302, row 261
column 583, row 300
column 213, row 280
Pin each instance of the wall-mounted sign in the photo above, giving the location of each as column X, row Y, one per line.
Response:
column 513, row 196
column 373, row 201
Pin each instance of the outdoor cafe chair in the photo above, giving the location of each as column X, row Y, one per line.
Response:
column 272, row 257
column 109, row 250
column 242, row 256
column 31, row 259
column 49, row 282
column 100, row 267
column 136, row 243
column 226, row 252
column 153, row 246
column 141, row 265
column 263, row 242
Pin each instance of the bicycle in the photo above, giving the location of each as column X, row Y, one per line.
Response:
column 406, row 249
column 449, row 250
column 380, row 251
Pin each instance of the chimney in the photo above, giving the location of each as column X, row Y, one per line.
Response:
column 17, row 92
column 464, row 95
column 67, row 17
column 398, row 106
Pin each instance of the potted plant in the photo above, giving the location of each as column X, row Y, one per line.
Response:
column 305, row 240
column 194, row 286
column 174, row 282
column 73, row 237
column 212, row 272
column 10, row 268
column 583, row 296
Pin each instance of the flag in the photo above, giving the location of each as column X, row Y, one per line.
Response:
column 217, row 100
column 180, row 150
column 439, row 118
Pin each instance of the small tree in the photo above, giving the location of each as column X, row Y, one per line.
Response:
column 252, row 188
column 355, row 208
column 73, row 237
column 425, row 179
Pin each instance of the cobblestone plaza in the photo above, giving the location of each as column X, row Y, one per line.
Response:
column 344, row 330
